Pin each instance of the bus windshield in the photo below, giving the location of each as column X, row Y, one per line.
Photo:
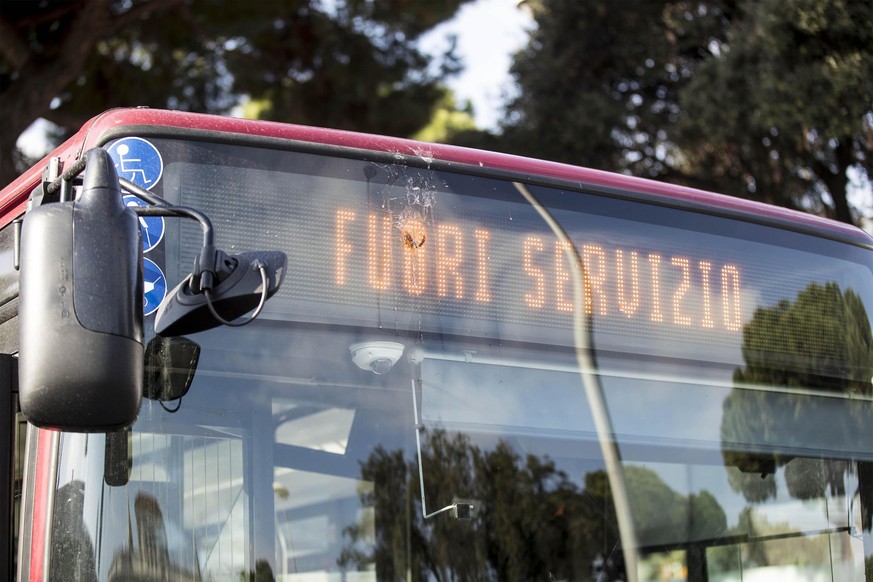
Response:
column 435, row 391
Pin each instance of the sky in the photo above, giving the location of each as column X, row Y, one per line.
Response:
column 488, row 33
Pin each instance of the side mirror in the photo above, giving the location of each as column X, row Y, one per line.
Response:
column 81, row 338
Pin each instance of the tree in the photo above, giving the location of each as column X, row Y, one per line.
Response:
column 354, row 64
column 782, row 111
column 762, row 99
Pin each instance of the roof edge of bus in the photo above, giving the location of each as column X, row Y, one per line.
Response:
column 94, row 131
column 13, row 196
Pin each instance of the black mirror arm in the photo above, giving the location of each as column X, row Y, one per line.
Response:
column 212, row 265
column 143, row 193
column 207, row 265
column 206, row 268
column 181, row 212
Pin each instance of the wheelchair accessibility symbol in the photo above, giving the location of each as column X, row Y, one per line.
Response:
column 137, row 160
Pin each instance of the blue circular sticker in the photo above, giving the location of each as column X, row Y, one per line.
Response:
column 137, row 160
column 154, row 286
column 152, row 227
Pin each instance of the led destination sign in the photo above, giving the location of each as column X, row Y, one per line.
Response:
column 452, row 261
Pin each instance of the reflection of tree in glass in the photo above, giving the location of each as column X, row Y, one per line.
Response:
column 822, row 342
column 531, row 521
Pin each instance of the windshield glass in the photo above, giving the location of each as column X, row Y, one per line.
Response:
column 466, row 377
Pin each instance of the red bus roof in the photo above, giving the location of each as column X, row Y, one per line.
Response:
column 117, row 122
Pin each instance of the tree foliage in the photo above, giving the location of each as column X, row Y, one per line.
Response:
column 765, row 99
column 350, row 64
column 585, row 78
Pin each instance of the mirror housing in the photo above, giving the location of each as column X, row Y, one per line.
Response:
column 170, row 364
column 240, row 288
column 81, row 312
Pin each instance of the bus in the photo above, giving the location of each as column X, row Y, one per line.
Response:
column 420, row 362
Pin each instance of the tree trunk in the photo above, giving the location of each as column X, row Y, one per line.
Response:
column 837, row 182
